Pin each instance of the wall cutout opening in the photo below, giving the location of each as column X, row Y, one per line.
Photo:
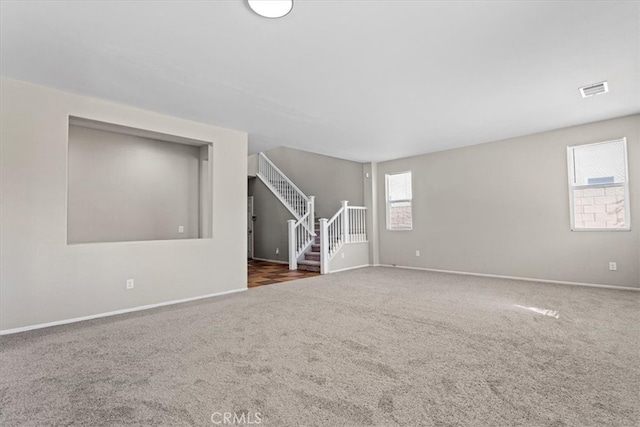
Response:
column 126, row 184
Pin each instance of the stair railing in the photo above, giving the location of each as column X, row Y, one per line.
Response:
column 284, row 189
column 356, row 230
column 301, row 229
column 301, row 234
column 348, row 225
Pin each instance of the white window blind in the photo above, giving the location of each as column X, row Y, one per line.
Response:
column 598, row 186
column 399, row 197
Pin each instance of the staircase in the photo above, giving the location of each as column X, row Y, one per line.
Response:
column 301, row 230
column 311, row 259
column 312, row 244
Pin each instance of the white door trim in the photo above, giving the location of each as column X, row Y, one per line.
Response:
column 250, row 228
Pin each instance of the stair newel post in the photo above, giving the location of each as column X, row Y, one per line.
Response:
column 312, row 213
column 324, row 246
column 293, row 261
column 345, row 221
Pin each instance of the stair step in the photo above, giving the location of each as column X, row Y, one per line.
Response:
column 312, row 256
column 315, row 248
column 309, row 265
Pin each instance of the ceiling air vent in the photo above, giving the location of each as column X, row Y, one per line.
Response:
column 594, row 89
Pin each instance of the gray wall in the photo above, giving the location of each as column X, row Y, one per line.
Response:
column 502, row 208
column 351, row 255
column 42, row 278
column 270, row 226
column 330, row 179
column 128, row 188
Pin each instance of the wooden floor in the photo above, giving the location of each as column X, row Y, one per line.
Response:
column 268, row 273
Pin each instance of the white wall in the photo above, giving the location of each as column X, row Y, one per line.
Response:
column 42, row 279
column 503, row 208
column 252, row 165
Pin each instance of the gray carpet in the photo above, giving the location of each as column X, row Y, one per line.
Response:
column 375, row 346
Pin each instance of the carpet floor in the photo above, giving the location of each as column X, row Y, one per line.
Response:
column 375, row 346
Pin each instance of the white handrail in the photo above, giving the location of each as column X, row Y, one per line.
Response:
column 300, row 238
column 348, row 225
column 335, row 233
column 288, row 193
column 333, row 218
column 357, row 231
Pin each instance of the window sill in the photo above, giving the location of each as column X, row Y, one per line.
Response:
column 600, row 229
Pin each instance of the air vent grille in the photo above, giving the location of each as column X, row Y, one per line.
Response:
column 594, row 89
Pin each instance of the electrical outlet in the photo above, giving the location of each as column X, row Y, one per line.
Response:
column 342, row 255
column 277, row 251
column 181, row 229
column 130, row 283
column 613, row 266
column 417, row 253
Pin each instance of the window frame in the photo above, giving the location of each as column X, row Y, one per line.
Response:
column 573, row 187
column 388, row 202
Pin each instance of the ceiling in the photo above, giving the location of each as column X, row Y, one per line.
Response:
column 362, row 80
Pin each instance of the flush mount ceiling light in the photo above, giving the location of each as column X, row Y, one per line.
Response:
column 271, row 8
column 594, row 89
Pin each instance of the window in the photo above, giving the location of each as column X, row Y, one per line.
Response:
column 598, row 186
column 399, row 201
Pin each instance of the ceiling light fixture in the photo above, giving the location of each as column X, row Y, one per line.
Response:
column 271, row 8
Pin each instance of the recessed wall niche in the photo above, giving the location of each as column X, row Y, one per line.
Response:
column 127, row 184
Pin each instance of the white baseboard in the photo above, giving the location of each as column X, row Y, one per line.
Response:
column 276, row 261
column 526, row 279
column 349, row 268
column 114, row 313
